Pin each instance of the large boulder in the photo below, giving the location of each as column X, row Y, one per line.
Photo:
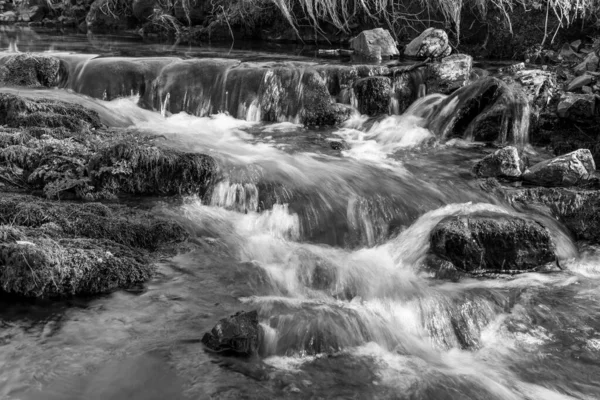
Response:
column 504, row 163
column 432, row 43
column 29, row 70
column 449, row 74
column 566, row 170
column 373, row 95
column 238, row 334
column 576, row 106
column 375, row 43
column 492, row 242
column 580, row 81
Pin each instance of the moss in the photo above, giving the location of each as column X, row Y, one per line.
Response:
column 138, row 168
column 42, row 267
column 318, row 107
column 17, row 111
column 374, row 94
column 30, row 70
column 116, row 223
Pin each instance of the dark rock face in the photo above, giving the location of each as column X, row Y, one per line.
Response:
column 501, row 163
column 238, row 334
column 578, row 209
column 29, row 70
column 375, row 43
column 431, row 43
column 373, row 95
column 566, row 170
column 492, row 242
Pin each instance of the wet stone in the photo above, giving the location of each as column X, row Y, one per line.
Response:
column 432, row 43
column 492, row 242
column 235, row 335
column 566, row 170
column 501, row 163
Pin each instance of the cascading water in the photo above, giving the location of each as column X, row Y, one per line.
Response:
column 327, row 245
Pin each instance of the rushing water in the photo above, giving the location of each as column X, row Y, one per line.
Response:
column 326, row 244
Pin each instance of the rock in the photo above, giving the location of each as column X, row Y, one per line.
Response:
column 576, row 106
column 568, row 53
column 8, row 16
column 30, row 70
column 577, row 209
column 69, row 267
column 580, row 81
column 143, row 9
column 587, row 90
column 492, row 242
column 373, row 95
column 432, row 43
column 590, row 63
column 514, row 68
column 375, row 43
column 502, row 163
column 449, row 74
column 566, row 170
column 539, row 86
column 237, row 335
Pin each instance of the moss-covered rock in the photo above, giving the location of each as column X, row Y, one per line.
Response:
column 142, row 168
column 373, row 95
column 37, row 266
column 17, row 111
column 29, row 70
column 118, row 224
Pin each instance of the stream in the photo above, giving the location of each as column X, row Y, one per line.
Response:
column 326, row 243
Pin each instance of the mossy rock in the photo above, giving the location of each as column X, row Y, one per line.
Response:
column 30, row 70
column 43, row 267
column 131, row 167
column 118, row 224
column 17, row 112
column 374, row 95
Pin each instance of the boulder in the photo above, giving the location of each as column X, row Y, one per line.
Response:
column 577, row 209
column 238, row 334
column 449, row 74
column 432, row 43
column 493, row 242
column 375, row 43
column 30, row 70
column 143, row 9
column 590, row 63
column 504, row 163
column 580, row 82
column 576, row 106
column 566, row 170
column 373, row 95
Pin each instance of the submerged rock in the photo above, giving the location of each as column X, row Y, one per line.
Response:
column 373, row 95
column 237, row 335
column 501, row 163
column 492, row 242
column 566, row 170
column 432, row 43
column 29, row 70
column 375, row 43
column 449, row 74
